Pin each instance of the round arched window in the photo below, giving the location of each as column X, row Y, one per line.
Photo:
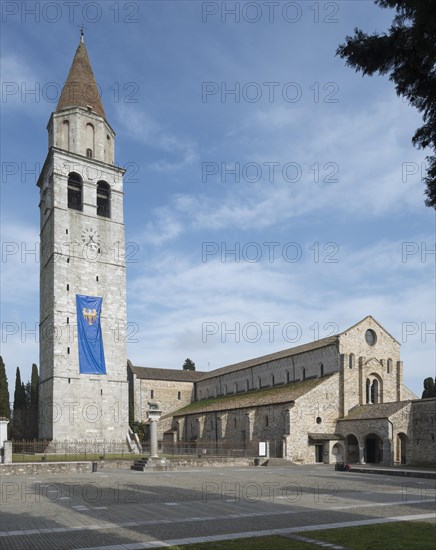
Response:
column 370, row 337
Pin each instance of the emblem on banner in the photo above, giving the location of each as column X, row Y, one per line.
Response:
column 90, row 315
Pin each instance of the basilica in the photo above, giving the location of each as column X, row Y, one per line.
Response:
column 341, row 398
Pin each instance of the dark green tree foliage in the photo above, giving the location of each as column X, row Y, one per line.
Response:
column 407, row 52
column 19, row 428
column 25, row 413
column 429, row 388
column 20, row 400
column 5, row 409
column 34, row 386
column 32, row 390
column 188, row 364
column 141, row 429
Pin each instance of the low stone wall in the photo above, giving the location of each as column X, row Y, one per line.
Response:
column 35, row 468
column 210, row 462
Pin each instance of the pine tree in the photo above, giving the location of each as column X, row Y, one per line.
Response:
column 407, row 53
column 188, row 364
column 5, row 409
column 429, row 388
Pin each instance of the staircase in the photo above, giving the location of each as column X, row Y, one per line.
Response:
column 279, row 463
column 139, row 465
column 159, row 464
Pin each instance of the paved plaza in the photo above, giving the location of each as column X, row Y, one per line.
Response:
column 123, row 509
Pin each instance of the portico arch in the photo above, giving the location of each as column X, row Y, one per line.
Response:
column 373, row 449
column 352, row 449
column 401, row 448
column 338, row 452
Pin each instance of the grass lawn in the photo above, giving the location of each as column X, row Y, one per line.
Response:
column 255, row 543
column 402, row 535
column 387, row 536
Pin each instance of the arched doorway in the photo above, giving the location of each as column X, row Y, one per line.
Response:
column 401, row 448
column 338, row 452
column 373, row 449
column 352, row 446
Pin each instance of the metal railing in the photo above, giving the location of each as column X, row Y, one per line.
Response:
column 70, row 451
column 205, row 449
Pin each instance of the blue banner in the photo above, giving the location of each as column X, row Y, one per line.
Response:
column 91, row 353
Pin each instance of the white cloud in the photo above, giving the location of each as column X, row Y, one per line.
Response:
column 179, row 150
column 23, row 89
column 179, row 302
column 365, row 151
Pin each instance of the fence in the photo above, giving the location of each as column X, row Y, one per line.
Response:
column 57, row 451
column 199, row 448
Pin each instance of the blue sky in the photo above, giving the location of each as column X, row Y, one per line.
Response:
column 323, row 160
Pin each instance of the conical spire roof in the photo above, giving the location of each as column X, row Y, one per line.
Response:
column 80, row 88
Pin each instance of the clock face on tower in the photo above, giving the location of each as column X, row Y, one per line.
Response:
column 90, row 237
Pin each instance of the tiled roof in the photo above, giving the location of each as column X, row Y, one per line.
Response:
column 324, row 437
column 281, row 394
column 80, row 88
column 272, row 357
column 375, row 410
column 174, row 375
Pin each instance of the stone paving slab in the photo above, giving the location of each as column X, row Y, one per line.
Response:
column 134, row 508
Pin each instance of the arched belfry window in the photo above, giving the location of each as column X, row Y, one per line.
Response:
column 103, row 199
column 74, row 191
column 90, row 140
column 66, row 135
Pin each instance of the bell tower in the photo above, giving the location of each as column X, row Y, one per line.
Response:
column 83, row 356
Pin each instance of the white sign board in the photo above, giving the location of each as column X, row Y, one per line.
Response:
column 262, row 448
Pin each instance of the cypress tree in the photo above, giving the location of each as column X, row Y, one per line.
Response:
column 33, row 403
column 18, row 429
column 19, row 393
column 5, row 409
column 34, row 386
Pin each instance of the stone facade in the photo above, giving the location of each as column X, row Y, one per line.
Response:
column 422, row 441
column 168, row 388
column 293, row 365
column 340, row 398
